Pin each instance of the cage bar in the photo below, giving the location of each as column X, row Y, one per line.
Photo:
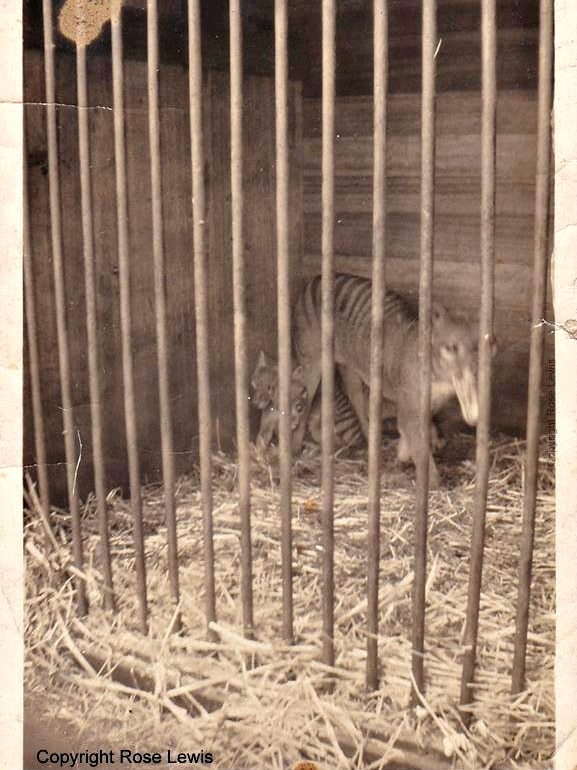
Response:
column 33, row 358
column 240, row 313
column 327, row 322
column 70, row 430
column 488, row 133
column 284, row 313
column 125, row 316
column 542, row 200
column 166, row 434
column 92, row 323
column 201, row 294
column 429, row 43
column 380, row 22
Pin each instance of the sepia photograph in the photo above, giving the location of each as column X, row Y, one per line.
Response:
column 291, row 385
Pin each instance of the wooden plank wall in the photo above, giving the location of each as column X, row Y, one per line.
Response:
column 459, row 57
column 457, row 218
column 259, row 229
column 260, row 224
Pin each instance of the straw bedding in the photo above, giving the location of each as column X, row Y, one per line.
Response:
column 278, row 704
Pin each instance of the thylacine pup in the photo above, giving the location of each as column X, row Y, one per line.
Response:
column 264, row 395
column 264, row 385
column 264, row 381
column 454, row 358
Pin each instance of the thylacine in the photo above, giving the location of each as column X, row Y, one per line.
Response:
column 454, row 358
column 264, row 395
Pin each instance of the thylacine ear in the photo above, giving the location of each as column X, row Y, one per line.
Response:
column 438, row 314
column 494, row 346
column 260, row 365
column 298, row 374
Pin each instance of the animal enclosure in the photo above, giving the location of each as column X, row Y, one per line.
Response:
column 190, row 167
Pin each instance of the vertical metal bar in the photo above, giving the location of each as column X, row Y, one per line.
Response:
column 201, row 294
column 542, row 198
column 327, row 322
column 92, row 324
column 488, row 129
column 166, row 440
column 125, row 315
column 283, row 302
column 60, row 298
column 240, row 315
column 429, row 42
column 33, row 358
column 380, row 24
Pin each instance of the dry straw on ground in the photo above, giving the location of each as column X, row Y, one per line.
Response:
column 277, row 702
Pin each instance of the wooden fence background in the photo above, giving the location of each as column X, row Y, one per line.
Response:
column 260, row 250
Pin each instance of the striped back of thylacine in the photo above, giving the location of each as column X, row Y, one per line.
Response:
column 348, row 431
column 352, row 310
column 352, row 314
column 453, row 356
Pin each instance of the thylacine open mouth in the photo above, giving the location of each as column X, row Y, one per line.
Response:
column 466, row 390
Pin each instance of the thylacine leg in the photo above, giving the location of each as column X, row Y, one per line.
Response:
column 408, row 421
column 267, row 428
column 357, row 394
column 315, row 420
column 311, row 376
column 438, row 441
column 388, row 409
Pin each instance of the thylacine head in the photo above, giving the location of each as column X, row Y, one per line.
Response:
column 265, row 396
column 264, row 381
column 455, row 359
